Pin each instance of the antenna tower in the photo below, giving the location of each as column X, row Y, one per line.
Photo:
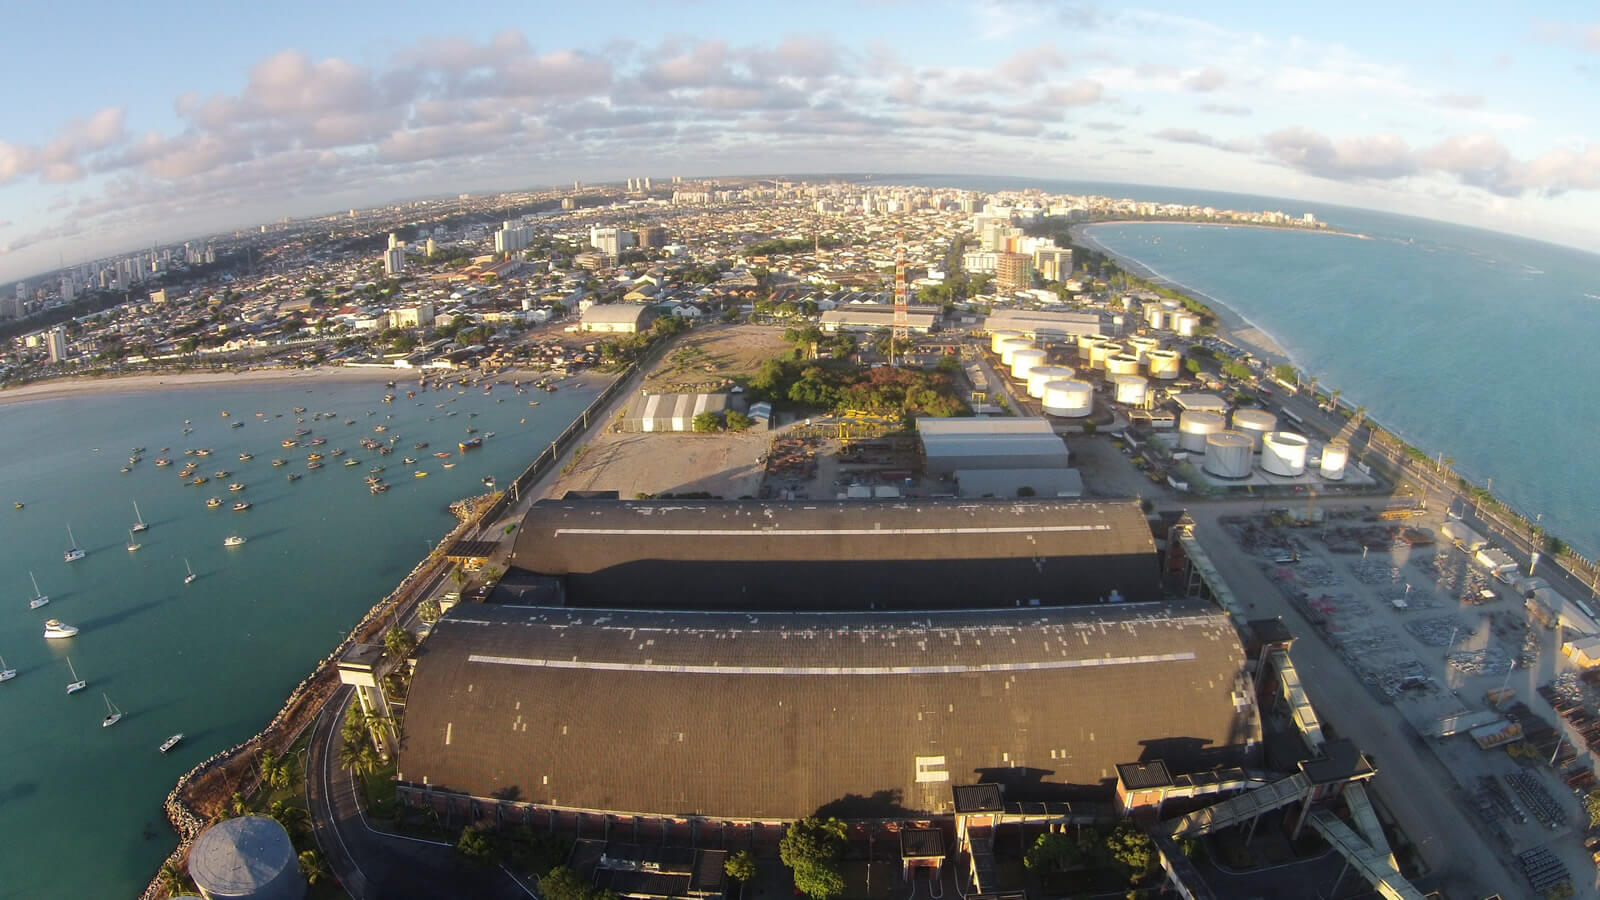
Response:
column 902, row 321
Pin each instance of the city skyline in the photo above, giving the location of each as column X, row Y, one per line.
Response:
column 304, row 110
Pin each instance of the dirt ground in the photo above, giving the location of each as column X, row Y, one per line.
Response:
column 714, row 357
column 723, row 465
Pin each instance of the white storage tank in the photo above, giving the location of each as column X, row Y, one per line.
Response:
column 1141, row 346
column 1010, row 346
column 1122, row 364
column 1195, row 425
column 1085, row 341
column 250, row 856
column 997, row 338
column 1131, row 389
column 1038, row 376
column 1171, row 305
column 1156, row 316
column 1284, row 453
column 1024, row 360
column 1068, row 398
column 1100, row 351
column 1334, row 458
column 1254, row 422
column 1164, row 364
column 1186, row 324
column 1228, row 454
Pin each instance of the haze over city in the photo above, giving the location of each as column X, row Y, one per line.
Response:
column 185, row 123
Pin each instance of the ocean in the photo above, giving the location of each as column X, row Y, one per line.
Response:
column 1481, row 346
column 216, row 658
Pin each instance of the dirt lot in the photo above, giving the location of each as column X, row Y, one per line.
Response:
column 723, row 465
column 714, row 357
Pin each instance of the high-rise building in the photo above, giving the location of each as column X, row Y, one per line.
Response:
column 393, row 241
column 1013, row 271
column 432, row 248
column 652, row 237
column 647, row 184
column 57, row 344
column 394, row 261
column 610, row 241
column 22, row 290
column 512, row 238
column 1053, row 263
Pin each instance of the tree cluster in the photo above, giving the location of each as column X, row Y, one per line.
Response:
column 823, row 386
column 812, row 847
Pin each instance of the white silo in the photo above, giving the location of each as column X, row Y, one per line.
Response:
column 1068, row 398
column 1099, row 351
column 1334, row 458
column 1010, row 346
column 1228, row 454
column 1131, row 389
column 1254, row 422
column 997, row 338
column 1284, row 453
column 1141, row 346
column 1085, row 341
column 1195, row 425
column 1122, row 364
column 1025, row 359
column 1164, row 364
column 1038, row 376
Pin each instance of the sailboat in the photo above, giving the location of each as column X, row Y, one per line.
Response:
column 138, row 520
column 113, row 715
column 77, row 684
column 191, row 576
column 73, row 554
column 132, row 544
column 38, row 598
column 6, row 673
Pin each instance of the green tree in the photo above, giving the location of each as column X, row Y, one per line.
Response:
column 1236, row 370
column 276, row 771
column 358, row 757
column 1192, row 365
column 949, row 364
column 428, row 611
column 1052, row 851
column 707, row 421
column 294, row 819
column 737, row 421
column 740, row 866
column 1131, row 848
column 811, row 847
column 476, row 847
column 1591, row 805
column 1285, row 372
column 399, row 643
column 312, row 866
column 561, row 883
column 236, row 806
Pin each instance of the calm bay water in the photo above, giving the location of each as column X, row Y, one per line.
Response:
column 213, row 659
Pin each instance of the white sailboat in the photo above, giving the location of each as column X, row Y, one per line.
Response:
column 132, row 544
column 38, row 598
column 6, row 672
column 77, row 684
column 189, row 579
column 113, row 715
column 73, row 554
column 138, row 520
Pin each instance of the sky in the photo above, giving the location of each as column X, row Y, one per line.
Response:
column 157, row 121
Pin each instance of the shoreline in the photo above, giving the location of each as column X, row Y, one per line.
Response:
column 1291, row 228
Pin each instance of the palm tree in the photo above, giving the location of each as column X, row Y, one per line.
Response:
column 237, row 807
column 358, row 758
column 399, row 643
column 312, row 866
column 174, row 879
column 294, row 819
column 275, row 769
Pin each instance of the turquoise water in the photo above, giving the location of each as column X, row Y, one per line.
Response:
column 213, row 659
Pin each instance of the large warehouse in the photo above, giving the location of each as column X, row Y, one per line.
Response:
column 757, row 718
column 618, row 318
column 1040, row 325
column 998, row 457
column 919, row 319
column 755, row 555
column 671, row 412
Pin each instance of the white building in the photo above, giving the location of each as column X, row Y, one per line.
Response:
column 394, row 261
column 57, row 343
column 610, row 241
column 511, row 238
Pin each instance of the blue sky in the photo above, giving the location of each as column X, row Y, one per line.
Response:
column 132, row 123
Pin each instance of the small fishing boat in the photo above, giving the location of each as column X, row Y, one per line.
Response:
column 200, row 480
column 443, row 454
column 241, row 506
column 214, row 502
column 289, row 443
column 409, row 461
column 163, row 462
column 313, row 465
column 280, row 462
column 378, row 488
column 313, row 457
column 294, row 476
column 246, row 457
column 318, row 442
column 236, row 487
column 419, row 474
column 449, row 465
column 233, row 540
column 336, row 452
column 420, row 445
column 352, row 461
column 221, row 474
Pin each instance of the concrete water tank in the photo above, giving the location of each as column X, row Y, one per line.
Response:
column 1068, row 398
column 1131, row 389
column 1334, row 458
column 1038, row 376
column 1164, row 364
column 1254, row 422
column 250, row 856
column 1100, row 351
column 1194, row 426
column 1122, row 364
column 997, row 338
column 1284, row 453
column 1141, row 346
column 1010, row 346
column 1085, row 341
column 1228, row 454
column 1025, row 359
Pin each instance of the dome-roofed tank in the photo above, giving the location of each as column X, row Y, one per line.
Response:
column 1195, row 425
column 1131, row 389
column 1038, row 376
column 250, row 856
column 1163, row 364
column 1254, row 422
column 1010, row 346
column 1334, row 459
column 1100, row 351
column 1228, row 454
column 1122, row 364
column 997, row 338
column 1284, row 453
column 1025, row 359
column 1068, row 398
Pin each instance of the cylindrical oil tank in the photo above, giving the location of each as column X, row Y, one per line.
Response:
column 1038, row 376
column 1068, row 398
column 1085, row 341
column 1170, row 305
column 1195, row 425
column 1284, row 453
column 1122, row 364
column 1156, row 316
column 1100, row 351
column 1334, row 458
column 250, row 856
column 1010, row 346
column 1228, row 454
column 1142, row 346
column 1024, row 360
column 997, row 338
column 1186, row 324
column 1254, row 422
column 1131, row 389
column 1163, row 364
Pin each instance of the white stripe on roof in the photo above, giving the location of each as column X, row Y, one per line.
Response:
column 831, row 670
column 821, row 532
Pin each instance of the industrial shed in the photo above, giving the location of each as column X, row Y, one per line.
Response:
column 843, row 555
column 999, row 443
column 1014, row 482
column 671, row 412
column 618, row 318
column 727, row 716
column 919, row 319
column 1038, row 325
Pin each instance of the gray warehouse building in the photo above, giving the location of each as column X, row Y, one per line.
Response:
column 998, row 457
column 1045, row 326
column 671, row 412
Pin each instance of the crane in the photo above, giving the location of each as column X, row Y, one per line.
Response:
column 902, row 320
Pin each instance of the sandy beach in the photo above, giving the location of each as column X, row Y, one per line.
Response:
column 1231, row 327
